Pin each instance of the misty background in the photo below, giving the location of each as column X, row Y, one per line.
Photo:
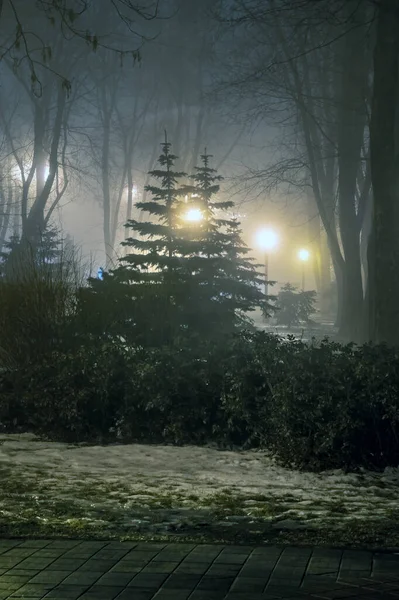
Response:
column 119, row 104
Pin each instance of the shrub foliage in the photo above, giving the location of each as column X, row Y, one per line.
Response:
column 161, row 350
column 315, row 406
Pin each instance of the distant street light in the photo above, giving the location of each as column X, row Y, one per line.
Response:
column 303, row 256
column 193, row 215
column 267, row 240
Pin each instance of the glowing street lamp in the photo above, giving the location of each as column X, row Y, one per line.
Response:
column 303, row 256
column 193, row 215
column 267, row 240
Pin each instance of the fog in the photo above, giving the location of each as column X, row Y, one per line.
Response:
column 89, row 91
column 199, row 298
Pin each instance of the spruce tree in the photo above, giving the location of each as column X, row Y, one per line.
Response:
column 49, row 249
column 294, row 307
column 154, row 267
column 47, row 252
column 9, row 246
column 227, row 281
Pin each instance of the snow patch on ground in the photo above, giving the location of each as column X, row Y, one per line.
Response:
column 134, row 481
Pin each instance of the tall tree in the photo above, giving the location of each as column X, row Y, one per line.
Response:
column 154, row 266
column 383, row 256
column 316, row 84
column 227, row 280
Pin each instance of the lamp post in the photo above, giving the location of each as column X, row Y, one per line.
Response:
column 267, row 240
column 303, row 256
column 193, row 215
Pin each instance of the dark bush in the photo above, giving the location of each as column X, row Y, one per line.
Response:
column 315, row 406
column 337, row 407
column 71, row 396
column 177, row 397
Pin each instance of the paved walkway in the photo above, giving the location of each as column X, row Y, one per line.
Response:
column 71, row 570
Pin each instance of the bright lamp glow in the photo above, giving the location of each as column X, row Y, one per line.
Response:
column 267, row 239
column 193, row 215
column 303, row 254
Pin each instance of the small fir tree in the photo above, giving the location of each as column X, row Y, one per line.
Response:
column 50, row 246
column 154, row 266
column 9, row 246
column 48, row 250
column 294, row 307
column 226, row 276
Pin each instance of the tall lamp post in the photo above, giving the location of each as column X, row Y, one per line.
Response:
column 267, row 240
column 303, row 256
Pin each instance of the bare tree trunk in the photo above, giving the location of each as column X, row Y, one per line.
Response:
column 198, row 139
column 106, row 189
column 384, row 242
column 35, row 220
column 129, row 205
column 6, row 207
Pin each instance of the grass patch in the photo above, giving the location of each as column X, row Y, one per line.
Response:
column 33, row 504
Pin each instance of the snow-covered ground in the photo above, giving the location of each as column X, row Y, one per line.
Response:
column 165, row 488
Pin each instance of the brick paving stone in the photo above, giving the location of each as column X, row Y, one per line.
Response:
column 216, row 583
column 182, row 581
column 231, row 559
column 160, row 567
column 127, row 568
column 116, row 579
column 249, row 596
column 34, row 564
column 7, row 544
column 205, row 595
column 148, row 581
column 124, row 545
column 98, row 592
column 83, row 577
column 64, row 564
column 192, row 568
column 355, row 562
column 238, row 550
column 66, row 543
column 96, row 565
column 66, row 592
column 55, row 577
column 134, row 555
column 251, row 584
column 132, row 594
column 8, row 563
column 34, row 544
column 106, row 554
column 170, row 556
column 255, row 570
column 48, row 553
column 11, row 585
column 227, row 570
column 181, row 547
column 20, row 553
column 33, row 590
column 199, row 558
column 21, row 573
column 321, row 583
column 163, row 594
column 208, row 549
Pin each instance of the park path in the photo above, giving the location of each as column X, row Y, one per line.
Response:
column 100, row 570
